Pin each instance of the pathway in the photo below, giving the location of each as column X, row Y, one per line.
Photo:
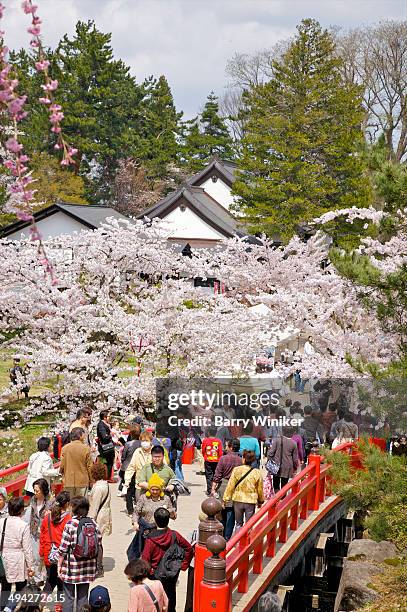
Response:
column 115, row 546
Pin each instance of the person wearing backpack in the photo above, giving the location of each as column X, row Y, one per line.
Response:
column 80, row 547
column 168, row 553
column 99, row 500
column 52, row 527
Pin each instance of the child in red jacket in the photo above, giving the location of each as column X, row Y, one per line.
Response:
column 212, row 451
column 52, row 527
column 155, row 547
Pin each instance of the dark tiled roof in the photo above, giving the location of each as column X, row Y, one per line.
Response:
column 91, row 216
column 226, row 169
column 199, row 202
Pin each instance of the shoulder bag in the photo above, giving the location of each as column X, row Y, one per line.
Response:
column 103, row 502
column 2, row 566
column 239, row 482
column 272, row 466
column 153, row 597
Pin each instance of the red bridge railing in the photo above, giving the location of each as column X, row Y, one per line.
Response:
column 258, row 538
column 16, row 487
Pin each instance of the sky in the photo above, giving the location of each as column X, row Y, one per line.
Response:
column 190, row 41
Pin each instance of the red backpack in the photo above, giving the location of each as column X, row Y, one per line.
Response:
column 87, row 541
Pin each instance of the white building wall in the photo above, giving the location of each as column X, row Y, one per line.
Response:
column 219, row 191
column 186, row 224
column 55, row 225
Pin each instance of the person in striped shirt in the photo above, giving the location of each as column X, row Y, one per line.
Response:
column 76, row 574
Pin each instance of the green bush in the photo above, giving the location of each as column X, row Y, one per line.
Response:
column 378, row 493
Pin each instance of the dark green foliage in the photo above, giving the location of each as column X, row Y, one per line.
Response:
column 300, row 155
column 206, row 136
column 108, row 117
column 378, row 494
column 153, row 140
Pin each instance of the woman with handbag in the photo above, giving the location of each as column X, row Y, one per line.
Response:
column 16, row 554
column 245, row 489
column 99, row 508
column 52, row 528
column 106, row 446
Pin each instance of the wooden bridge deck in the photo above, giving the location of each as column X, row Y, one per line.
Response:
column 115, row 546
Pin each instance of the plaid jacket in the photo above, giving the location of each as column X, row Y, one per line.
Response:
column 74, row 571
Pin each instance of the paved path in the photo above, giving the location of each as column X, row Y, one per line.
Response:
column 115, row 546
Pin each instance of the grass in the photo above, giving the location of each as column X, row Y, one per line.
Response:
column 391, row 587
column 17, row 445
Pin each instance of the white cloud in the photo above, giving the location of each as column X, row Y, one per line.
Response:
column 190, row 41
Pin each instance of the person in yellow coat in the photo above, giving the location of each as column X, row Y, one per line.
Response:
column 245, row 489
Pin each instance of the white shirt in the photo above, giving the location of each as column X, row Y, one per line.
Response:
column 308, row 349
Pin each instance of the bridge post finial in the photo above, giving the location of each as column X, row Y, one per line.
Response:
column 209, row 526
column 214, row 591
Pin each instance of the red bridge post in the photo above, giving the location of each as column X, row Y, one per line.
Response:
column 207, row 528
column 315, row 460
column 214, row 591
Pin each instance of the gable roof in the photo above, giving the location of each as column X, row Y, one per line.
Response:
column 91, row 216
column 202, row 204
column 223, row 169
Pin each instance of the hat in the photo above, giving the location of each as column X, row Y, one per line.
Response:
column 3, row 492
column 155, row 481
column 99, row 597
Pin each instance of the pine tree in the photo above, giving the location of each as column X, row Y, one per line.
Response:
column 206, row 136
column 101, row 100
column 300, row 155
column 155, row 142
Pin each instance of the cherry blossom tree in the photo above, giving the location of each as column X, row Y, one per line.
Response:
column 117, row 285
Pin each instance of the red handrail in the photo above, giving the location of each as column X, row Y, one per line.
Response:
column 13, row 469
column 258, row 538
column 16, row 487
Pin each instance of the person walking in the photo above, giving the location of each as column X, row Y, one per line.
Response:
column 76, row 463
column 143, row 516
column 347, row 431
column 83, row 420
column 40, row 505
column 212, row 452
column 249, row 442
column 40, row 465
column 99, row 505
column 77, row 573
column 141, row 456
column 157, row 543
column 15, row 550
column 156, row 466
column 223, row 472
column 245, row 489
column 130, row 446
column 106, row 446
column 284, row 452
column 52, row 527
column 146, row 595
column 3, row 502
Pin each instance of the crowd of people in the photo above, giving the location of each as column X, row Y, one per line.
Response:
column 51, row 549
column 55, row 543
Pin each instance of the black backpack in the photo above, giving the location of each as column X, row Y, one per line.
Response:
column 170, row 564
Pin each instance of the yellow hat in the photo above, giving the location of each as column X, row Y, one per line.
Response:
column 155, row 481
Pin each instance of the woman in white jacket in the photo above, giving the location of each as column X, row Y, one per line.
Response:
column 16, row 549
column 40, row 466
